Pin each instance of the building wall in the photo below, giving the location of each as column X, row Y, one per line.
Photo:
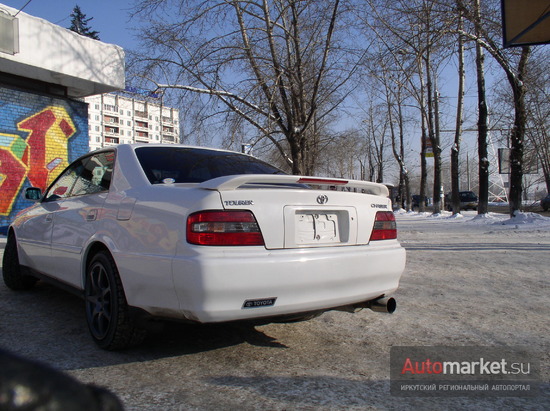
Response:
column 56, row 55
column 39, row 136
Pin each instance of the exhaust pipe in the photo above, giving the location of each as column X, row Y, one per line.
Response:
column 383, row 305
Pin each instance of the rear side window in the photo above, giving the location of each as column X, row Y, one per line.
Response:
column 89, row 175
column 195, row 165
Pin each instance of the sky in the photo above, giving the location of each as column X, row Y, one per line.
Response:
column 110, row 17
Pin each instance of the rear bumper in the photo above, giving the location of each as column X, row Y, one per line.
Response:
column 213, row 284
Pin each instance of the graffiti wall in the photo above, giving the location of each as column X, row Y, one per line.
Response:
column 39, row 136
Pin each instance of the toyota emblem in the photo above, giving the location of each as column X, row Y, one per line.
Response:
column 322, row 199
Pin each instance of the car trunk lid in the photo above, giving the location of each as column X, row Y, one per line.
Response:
column 304, row 212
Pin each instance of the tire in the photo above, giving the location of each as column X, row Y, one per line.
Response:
column 107, row 313
column 14, row 275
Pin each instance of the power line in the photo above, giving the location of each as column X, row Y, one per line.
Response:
column 21, row 9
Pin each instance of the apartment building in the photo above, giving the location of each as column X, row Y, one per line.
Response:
column 117, row 119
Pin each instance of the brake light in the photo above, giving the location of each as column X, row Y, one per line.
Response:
column 223, row 228
column 317, row 180
column 385, row 227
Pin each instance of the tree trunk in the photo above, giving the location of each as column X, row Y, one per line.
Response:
column 436, row 146
column 483, row 168
column 424, row 137
column 297, row 153
column 423, row 170
column 518, row 134
column 455, row 150
column 403, row 169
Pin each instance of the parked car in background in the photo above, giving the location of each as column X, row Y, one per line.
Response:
column 545, row 203
column 416, row 201
column 146, row 232
column 468, row 200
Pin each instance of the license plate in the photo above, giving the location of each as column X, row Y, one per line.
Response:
column 316, row 228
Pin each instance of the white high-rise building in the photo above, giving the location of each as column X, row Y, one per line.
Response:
column 116, row 119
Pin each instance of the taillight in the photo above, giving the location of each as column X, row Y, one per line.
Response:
column 385, row 227
column 223, row 228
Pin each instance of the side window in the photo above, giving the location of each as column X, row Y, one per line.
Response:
column 96, row 174
column 87, row 176
column 62, row 187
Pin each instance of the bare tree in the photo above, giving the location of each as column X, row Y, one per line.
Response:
column 415, row 31
column 394, row 93
column 537, row 98
column 538, row 106
column 487, row 29
column 280, row 66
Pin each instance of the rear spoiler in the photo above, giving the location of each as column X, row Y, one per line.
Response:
column 233, row 182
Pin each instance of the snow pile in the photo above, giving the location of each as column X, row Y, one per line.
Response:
column 527, row 218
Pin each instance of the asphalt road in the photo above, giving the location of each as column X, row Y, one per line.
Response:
column 453, row 293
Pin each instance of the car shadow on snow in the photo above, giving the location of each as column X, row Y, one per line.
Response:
column 48, row 324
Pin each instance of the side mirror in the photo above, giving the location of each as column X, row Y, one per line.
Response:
column 33, row 194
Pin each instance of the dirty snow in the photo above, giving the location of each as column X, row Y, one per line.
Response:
column 470, row 281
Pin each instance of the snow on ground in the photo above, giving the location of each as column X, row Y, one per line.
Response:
column 470, row 281
column 476, row 280
column 522, row 220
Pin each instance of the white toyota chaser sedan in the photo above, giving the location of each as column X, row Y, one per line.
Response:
column 148, row 232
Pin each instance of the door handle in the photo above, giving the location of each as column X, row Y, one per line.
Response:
column 92, row 215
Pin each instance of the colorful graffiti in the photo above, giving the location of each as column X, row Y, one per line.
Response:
column 40, row 158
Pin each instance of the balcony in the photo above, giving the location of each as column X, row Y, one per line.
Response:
column 111, row 131
column 141, row 125
column 110, row 107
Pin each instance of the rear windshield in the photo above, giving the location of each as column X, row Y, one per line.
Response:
column 195, row 165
